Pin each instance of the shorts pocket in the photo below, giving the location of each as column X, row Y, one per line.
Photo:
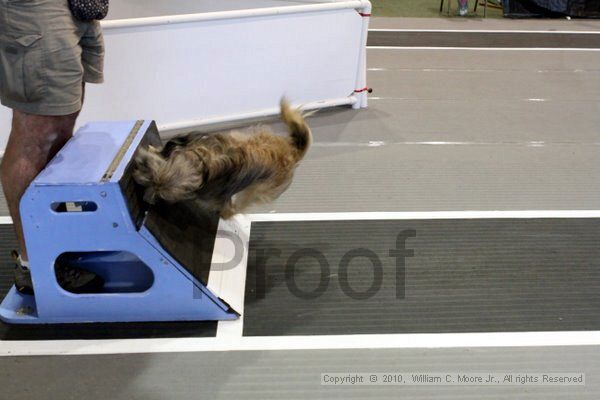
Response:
column 22, row 69
column 25, row 17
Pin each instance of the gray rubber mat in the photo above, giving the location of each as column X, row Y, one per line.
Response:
column 262, row 375
column 86, row 331
column 464, row 276
column 482, row 39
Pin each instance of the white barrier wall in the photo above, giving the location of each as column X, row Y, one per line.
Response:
column 196, row 69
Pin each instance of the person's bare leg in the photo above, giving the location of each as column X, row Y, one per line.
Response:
column 33, row 141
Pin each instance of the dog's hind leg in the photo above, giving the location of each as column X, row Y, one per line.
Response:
column 228, row 210
column 255, row 194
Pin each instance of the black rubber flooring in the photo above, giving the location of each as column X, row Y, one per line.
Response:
column 483, row 39
column 347, row 277
column 308, row 278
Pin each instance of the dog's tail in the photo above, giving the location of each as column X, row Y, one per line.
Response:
column 300, row 134
column 172, row 179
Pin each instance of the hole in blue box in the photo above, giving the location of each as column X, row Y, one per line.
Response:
column 122, row 271
column 73, row 206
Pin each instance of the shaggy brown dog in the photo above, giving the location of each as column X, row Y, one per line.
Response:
column 226, row 172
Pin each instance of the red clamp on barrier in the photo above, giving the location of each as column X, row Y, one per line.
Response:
column 365, row 89
column 364, row 14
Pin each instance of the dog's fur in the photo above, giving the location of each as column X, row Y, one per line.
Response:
column 226, row 172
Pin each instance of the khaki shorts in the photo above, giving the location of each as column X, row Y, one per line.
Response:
column 46, row 55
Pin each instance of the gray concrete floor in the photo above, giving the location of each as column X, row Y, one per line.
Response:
column 512, row 130
column 290, row 374
column 459, row 130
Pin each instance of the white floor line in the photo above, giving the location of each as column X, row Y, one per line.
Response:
column 379, row 215
column 484, row 48
column 485, row 31
column 362, row 216
column 228, row 281
column 331, row 342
